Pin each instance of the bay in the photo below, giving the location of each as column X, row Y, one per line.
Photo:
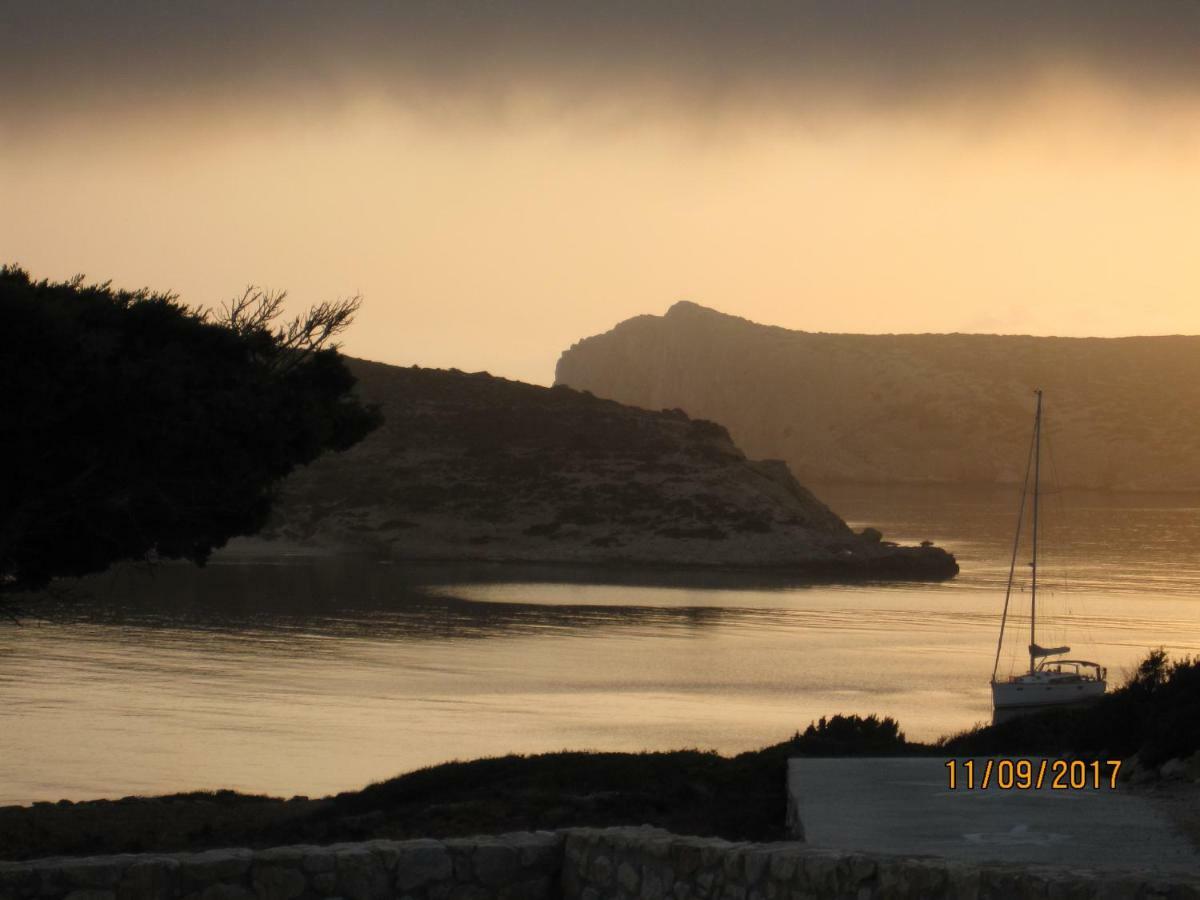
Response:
column 312, row 676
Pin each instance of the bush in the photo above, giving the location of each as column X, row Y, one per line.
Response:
column 851, row 736
column 136, row 426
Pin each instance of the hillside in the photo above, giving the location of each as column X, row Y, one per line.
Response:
column 950, row 408
column 468, row 466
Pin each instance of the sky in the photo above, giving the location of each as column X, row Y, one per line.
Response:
column 499, row 180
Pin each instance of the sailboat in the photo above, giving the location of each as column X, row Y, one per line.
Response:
column 1052, row 680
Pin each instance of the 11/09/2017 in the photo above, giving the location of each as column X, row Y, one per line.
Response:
column 1032, row 774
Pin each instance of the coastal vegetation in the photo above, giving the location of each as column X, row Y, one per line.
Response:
column 1151, row 720
column 138, row 427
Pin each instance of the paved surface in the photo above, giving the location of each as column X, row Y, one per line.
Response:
column 905, row 807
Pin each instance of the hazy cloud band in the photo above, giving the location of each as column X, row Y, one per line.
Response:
column 74, row 56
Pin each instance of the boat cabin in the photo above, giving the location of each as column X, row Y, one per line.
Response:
column 1064, row 671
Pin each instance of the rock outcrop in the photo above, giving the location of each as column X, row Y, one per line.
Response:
column 948, row 408
column 468, row 466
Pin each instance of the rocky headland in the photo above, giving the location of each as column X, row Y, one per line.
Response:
column 473, row 467
column 913, row 408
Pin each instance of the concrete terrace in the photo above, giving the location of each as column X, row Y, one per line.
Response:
column 906, row 807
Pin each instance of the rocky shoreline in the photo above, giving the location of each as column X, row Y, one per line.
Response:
column 889, row 564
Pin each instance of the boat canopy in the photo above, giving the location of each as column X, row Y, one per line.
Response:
column 1039, row 652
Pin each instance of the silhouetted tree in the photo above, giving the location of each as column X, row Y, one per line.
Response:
column 850, row 736
column 135, row 426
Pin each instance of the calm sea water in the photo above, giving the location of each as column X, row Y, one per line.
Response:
column 317, row 676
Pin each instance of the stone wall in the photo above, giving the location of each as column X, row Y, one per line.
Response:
column 648, row 864
column 575, row 864
column 525, row 866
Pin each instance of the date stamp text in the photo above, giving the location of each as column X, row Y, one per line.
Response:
column 1032, row 774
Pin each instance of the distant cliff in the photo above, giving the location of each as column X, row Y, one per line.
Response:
column 468, row 466
column 1121, row 412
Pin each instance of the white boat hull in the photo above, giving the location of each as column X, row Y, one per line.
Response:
column 1034, row 692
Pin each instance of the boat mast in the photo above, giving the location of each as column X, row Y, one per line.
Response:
column 1012, row 565
column 1037, row 471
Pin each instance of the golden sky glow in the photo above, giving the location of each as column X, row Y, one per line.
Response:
column 491, row 235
